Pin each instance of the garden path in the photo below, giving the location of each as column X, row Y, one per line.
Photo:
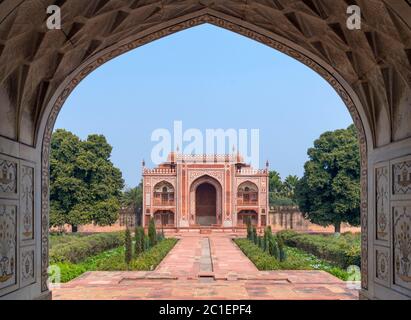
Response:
column 206, row 267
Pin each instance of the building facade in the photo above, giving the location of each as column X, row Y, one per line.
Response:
column 189, row 191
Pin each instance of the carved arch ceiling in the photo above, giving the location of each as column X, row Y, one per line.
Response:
column 375, row 61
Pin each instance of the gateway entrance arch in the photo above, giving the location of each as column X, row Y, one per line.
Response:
column 370, row 69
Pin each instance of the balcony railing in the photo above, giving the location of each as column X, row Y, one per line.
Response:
column 241, row 202
column 165, row 203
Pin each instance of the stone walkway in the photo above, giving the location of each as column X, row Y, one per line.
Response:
column 206, row 267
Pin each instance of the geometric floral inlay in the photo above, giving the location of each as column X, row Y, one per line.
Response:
column 402, row 246
column 8, row 216
column 402, row 178
column 27, row 266
column 382, row 205
column 8, row 176
column 26, row 203
column 382, row 266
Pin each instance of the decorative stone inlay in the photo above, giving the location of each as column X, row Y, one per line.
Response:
column 26, row 203
column 8, row 176
column 382, row 266
column 402, row 178
column 402, row 245
column 8, row 245
column 27, row 268
column 218, row 175
column 382, row 203
column 250, row 32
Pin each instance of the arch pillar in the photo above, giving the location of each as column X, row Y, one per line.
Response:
column 20, row 215
column 389, row 221
column 386, row 194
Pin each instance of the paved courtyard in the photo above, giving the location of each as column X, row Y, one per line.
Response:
column 205, row 267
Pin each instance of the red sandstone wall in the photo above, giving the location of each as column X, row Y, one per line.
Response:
column 93, row 228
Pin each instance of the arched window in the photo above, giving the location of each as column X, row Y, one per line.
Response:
column 164, row 218
column 247, row 215
column 247, row 193
column 163, row 194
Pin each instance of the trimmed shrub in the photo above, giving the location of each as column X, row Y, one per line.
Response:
column 281, row 252
column 273, row 247
column 260, row 242
column 255, row 237
column 249, row 229
column 146, row 243
column 128, row 254
column 139, row 238
column 267, row 236
column 80, row 248
column 152, row 234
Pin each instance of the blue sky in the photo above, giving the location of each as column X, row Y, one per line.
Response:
column 211, row 78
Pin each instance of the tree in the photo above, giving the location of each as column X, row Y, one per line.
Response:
column 281, row 193
column 255, row 236
column 274, row 182
column 139, row 237
column 329, row 192
column 128, row 254
column 85, row 186
column 249, row 229
column 152, row 234
column 289, row 185
column 133, row 198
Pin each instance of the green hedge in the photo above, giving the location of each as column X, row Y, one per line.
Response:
column 262, row 259
column 60, row 238
column 113, row 260
column 296, row 260
column 80, row 248
column 148, row 260
column 343, row 250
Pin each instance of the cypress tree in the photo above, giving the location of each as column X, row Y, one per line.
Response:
column 260, row 242
column 255, row 237
column 139, row 237
column 281, row 254
column 249, row 230
column 152, row 234
column 273, row 247
column 267, row 237
column 128, row 255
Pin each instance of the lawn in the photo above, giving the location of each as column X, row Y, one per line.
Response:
column 297, row 259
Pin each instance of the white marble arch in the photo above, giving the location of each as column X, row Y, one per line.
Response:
column 384, row 130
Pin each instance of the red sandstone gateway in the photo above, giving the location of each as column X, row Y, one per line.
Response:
column 213, row 191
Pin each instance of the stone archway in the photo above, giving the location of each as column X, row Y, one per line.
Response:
column 370, row 69
column 315, row 62
column 206, row 205
column 203, row 208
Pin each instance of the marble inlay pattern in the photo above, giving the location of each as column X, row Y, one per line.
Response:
column 8, row 245
column 402, row 245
